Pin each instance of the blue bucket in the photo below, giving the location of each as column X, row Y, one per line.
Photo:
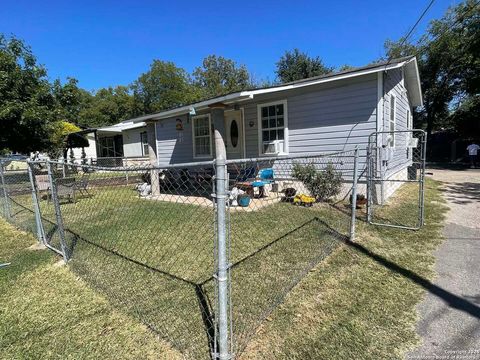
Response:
column 243, row 200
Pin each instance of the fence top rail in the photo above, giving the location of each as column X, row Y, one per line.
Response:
column 136, row 168
column 420, row 131
column 347, row 153
column 108, row 158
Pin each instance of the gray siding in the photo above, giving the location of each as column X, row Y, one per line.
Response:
column 333, row 117
column 393, row 84
column 174, row 146
column 325, row 118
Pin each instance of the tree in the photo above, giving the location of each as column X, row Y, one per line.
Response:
column 466, row 119
column 448, row 63
column 108, row 106
column 346, row 67
column 164, row 86
column 219, row 76
column 296, row 65
column 27, row 106
column 58, row 137
column 71, row 100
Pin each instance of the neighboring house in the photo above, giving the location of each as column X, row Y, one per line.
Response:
column 322, row 114
column 111, row 144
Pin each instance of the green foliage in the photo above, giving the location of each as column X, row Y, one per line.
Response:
column 219, row 76
column 346, row 67
column 296, row 65
column 164, row 86
column 71, row 100
column 466, row 118
column 27, row 106
column 59, row 132
column 322, row 184
column 108, row 106
column 449, row 65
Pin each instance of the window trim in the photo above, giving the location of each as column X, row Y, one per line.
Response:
column 285, row 127
column 194, row 118
column 142, row 144
column 393, row 143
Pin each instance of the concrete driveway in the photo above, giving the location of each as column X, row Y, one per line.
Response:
column 450, row 323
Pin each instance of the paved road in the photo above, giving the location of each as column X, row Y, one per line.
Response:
column 450, row 320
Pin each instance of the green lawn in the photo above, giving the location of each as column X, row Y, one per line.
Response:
column 360, row 302
column 49, row 313
column 349, row 306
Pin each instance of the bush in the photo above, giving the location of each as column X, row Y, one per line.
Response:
column 322, row 184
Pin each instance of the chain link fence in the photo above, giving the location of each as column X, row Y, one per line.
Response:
column 395, row 166
column 201, row 253
column 16, row 203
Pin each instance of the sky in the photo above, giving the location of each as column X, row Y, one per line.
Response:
column 109, row 43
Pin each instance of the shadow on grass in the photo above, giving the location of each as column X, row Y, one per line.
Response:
column 453, row 300
column 178, row 306
column 180, row 310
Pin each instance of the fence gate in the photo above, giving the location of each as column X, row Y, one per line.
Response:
column 396, row 173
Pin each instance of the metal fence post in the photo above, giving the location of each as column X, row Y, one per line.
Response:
column 354, row 196
column 58, row 212
column 372, row 193
column 223, row 266
column 422, row 179
column 6, row 204
column 36, row 207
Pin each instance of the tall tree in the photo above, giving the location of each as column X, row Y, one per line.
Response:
column 27, row 106
column 71, row 99
column 448, row 58
column 164, row 86
column 108, row 106
column 297, row 65
column 219, row 76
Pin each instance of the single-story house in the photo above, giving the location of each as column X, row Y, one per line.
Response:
column 111, row 145
column 323, row 114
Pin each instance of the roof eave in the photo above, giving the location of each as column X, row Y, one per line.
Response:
column 226, row 99
column 414, row 86
column 249, row 94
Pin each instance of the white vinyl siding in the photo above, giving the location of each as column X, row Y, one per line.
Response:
column 202, row 136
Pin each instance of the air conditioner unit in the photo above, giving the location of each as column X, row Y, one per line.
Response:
column 274, row 147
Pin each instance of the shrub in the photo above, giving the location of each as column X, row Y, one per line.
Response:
column 323, row 184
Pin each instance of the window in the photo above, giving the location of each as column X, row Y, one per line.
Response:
column 392, row 120
column 106, row 147
column 144, row 143
column 273, row 129
column 202, row 136
column 409, row 121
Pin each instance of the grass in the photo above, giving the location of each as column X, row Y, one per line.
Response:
column 354, row 305
column 349, row 306
column 47, row 312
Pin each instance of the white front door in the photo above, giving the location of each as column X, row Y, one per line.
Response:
column 234, row 134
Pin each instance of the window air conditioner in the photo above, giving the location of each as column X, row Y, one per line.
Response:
column 274, row 147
